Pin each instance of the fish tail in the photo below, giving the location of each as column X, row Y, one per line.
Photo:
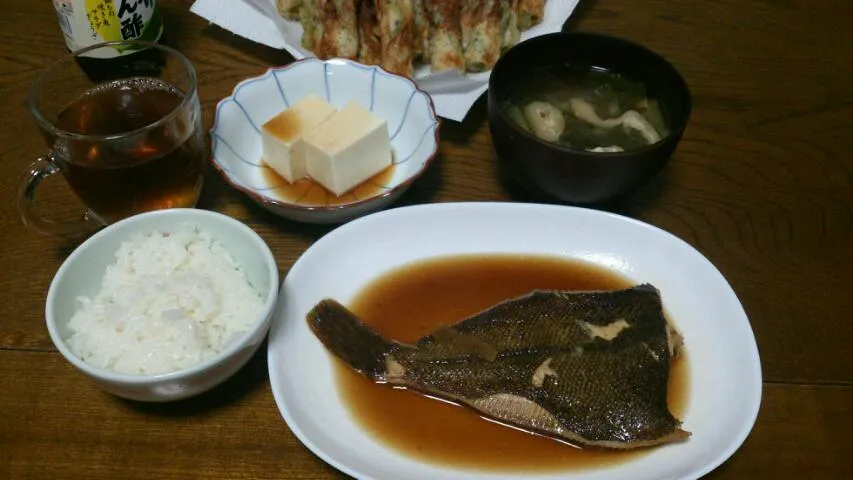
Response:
column 348, row 338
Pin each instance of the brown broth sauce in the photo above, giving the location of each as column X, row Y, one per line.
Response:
column 408, row 303
column 307, row 192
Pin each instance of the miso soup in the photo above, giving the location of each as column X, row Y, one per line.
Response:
column 587, row 109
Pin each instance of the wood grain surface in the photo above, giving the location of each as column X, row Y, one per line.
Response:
column 761, row 184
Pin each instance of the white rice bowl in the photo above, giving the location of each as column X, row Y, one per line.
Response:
column 194, row 305
column 171, row 299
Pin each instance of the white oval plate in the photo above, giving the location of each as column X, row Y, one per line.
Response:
column 725, row 376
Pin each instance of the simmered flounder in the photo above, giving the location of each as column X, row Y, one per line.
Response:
column 590, row 368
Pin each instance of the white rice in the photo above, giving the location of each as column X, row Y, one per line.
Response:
column 169, row 301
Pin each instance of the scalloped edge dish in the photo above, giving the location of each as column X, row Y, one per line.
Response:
column 235, row 137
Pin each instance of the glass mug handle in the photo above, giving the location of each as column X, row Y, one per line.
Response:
column 39, row 170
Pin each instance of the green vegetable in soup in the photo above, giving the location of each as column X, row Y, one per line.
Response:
column 515, row 114
column 601, row 111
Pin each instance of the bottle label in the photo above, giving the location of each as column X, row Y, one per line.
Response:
column 86, row 22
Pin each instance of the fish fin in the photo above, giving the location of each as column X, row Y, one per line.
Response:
column 519, row 411
column 349, row 339
column 461, row 343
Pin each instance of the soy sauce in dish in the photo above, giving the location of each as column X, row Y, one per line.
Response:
column 306, row 192
column 444, row 291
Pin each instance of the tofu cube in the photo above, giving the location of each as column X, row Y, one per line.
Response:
column 281, row 136
column 348, row 148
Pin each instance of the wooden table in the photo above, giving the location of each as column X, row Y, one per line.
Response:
column 762, row 184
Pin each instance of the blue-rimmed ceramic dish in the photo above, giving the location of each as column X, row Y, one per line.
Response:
column 236, row 148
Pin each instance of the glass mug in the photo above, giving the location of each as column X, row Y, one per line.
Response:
column 126, row 135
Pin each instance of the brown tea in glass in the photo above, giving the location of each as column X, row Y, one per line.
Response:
column 125, row 146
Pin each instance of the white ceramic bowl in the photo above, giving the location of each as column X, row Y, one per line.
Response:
column 81, row 274
column 236, row 142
